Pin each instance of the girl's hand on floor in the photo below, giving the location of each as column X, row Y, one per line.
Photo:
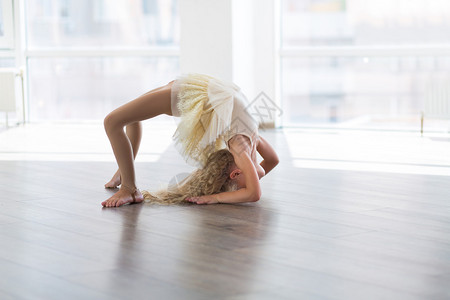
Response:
column 207, row 199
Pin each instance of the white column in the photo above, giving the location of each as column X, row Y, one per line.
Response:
column 232, row 40
column 244, row 46
column 206, row 37
column 264, row 54
column 254, row 48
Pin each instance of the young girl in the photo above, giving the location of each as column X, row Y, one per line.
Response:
column 215, row 131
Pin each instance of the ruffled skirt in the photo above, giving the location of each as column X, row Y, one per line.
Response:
column 205, row 106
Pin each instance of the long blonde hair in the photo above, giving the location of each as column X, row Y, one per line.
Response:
column 213, row 178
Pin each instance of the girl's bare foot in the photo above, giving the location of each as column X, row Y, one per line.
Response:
column 124, row 196
column 114, row 182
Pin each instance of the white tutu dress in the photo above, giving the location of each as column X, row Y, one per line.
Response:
column 212, row 112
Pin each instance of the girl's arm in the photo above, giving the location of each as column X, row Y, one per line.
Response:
column 240, row 148
column 270, row 157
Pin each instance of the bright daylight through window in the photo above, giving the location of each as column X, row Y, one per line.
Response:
column 97, row 54
column 339, row 68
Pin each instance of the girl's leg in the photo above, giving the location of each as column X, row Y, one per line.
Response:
column 134, row 134
column 145, row 107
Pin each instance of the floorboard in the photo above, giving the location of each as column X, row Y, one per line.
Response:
column 317, row 232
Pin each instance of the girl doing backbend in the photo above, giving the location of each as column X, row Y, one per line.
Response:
column 215, row 131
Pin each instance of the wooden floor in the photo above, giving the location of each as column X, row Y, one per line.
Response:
column 317, row 233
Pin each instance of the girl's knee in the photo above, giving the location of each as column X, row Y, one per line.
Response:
column 112, row 121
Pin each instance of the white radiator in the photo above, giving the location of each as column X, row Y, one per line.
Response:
column 7, row 90
column 11, row 91
column 437, row 100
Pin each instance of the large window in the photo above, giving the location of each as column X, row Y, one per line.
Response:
column 362, row 63
column 86, row 57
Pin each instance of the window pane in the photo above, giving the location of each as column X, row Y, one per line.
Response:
column 6, row 25
column 382, row 92
column 2, row 26
column 365, row 22
column 99, row 23
column 89, row 88
column 6, row 62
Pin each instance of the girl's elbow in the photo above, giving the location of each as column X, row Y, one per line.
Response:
column 255, row 196
column 256, row 199
column 276, row 161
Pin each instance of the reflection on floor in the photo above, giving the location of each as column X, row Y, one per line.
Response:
column 346, row 215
